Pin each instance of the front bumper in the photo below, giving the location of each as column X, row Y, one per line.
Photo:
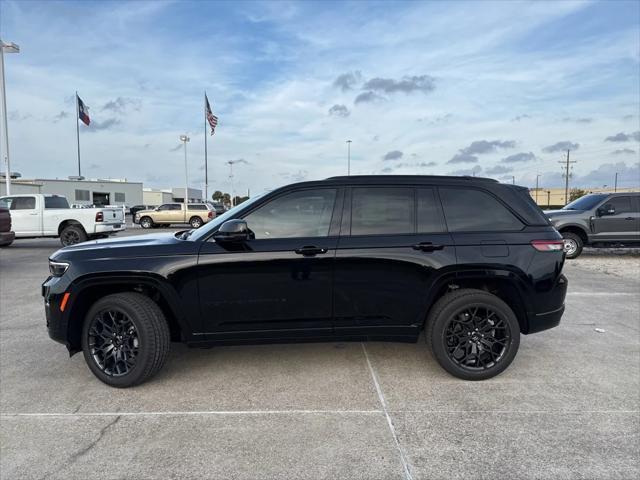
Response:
column 53, row 290
column 7, row 237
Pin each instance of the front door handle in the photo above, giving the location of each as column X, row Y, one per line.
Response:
column 427, row 247
column 310, row 251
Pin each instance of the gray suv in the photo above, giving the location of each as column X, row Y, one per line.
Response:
column 599, row 220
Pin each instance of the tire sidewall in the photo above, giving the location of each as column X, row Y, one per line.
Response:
column 578, row 242
column 144, row 348
column 146, row 221
column 82, row 236
column 438, row 345
column 196, row 222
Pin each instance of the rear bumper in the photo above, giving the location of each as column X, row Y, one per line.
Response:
column 552, row 305
column 110, row 228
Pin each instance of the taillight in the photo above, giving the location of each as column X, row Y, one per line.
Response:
column 548, row 245
column 99, row 217
column 210, row 214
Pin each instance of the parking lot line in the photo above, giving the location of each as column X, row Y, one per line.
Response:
column 195, row 412
column 601, row 294
column 383, row 403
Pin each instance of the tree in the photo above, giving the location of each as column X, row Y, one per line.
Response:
column 217, row 196
column 576, row 193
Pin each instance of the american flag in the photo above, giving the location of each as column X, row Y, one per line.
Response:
column 211, row 118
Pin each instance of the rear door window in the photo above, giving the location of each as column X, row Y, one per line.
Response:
column 382, row 211
column 430, row 219
column 55, row 202
column 23, row 203
column 469, row 210
column 620, row 204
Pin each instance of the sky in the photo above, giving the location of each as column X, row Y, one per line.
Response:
column 497, row 89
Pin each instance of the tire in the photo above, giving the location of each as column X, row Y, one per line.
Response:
column 72, row 234
column 6, row 244
column 146, row 222
column 573, row 245
column 149, row 339
column 447, row 319
column 196, row 222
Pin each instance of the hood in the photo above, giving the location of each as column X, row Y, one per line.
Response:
column 134, row 245
column 559, row 213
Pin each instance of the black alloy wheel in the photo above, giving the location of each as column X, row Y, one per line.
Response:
column 125, row 339
column 72, row 234
column 473, row 334
column 113, row 342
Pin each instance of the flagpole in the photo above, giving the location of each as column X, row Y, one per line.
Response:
column 78, row 131
column 206, row 172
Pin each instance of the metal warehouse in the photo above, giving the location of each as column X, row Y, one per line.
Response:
column 97, row 192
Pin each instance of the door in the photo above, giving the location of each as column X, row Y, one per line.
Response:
column 26, row 215
column 393, row 241
column 169, row 213
column 279, row 283
column 100, row 199
column 616, row 220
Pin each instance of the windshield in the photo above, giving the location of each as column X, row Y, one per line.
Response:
column 219, row 220
column 586, row 203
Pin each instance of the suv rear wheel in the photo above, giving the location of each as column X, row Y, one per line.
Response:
column 195, row 222
column 572, row 244
column 473, row 334
column 125, row 339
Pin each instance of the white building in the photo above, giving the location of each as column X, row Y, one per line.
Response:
column 152, row 196
column 85, row 192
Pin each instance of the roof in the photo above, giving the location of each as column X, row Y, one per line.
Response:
column 364, row 179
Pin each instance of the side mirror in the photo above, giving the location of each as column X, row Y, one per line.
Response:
column 233, row 231
column 606, row 210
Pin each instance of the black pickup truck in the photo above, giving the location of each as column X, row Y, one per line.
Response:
column 599, row 220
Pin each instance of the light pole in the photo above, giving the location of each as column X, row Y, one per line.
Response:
column 615, row 185
column 184, row 139
column 9, row 48
column 348, row 157
column 513, row 179
column 537, row 178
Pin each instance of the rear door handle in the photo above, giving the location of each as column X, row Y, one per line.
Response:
column 427, row 247
column 310, row 251
column 629, row 218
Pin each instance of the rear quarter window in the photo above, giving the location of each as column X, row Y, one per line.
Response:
column 470, row 210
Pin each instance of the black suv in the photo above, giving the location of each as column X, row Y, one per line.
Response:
column 471, row 261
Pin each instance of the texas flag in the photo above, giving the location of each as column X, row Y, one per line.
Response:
column 83, row 112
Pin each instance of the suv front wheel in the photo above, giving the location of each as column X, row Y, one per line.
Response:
column 125, row 339
column 473, row 334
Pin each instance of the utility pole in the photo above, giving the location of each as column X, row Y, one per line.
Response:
column 615, row 185
column 8, row 48
column 567, row 164
column 185, row 139
column 513, row 179
column 348, row 157
column 537, row 178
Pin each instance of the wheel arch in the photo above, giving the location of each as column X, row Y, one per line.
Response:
column 505, row 284
column 86, row 291
column 577, row 229
column 71, row 221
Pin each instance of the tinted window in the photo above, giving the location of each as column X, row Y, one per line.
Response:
column 380, row 211
column 636, row 204
column 55, row 202
column 429, row 212
column 586, row 202
column 306, row 213
column 82, row 195
column 620, row 204
column 197, row 207
column 468, row 210
column 23, row 203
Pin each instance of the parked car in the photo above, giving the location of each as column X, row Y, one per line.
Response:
column 137, row 208
column 37, row 215
column 472, row 262
column 218, row 207
column 6, row 234
column 599, row 220
column 196, row 215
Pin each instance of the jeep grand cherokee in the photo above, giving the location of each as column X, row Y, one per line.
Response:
column 471, row 262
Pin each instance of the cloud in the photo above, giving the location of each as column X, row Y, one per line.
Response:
column 519, row 157
column 577, row 120
column 348, row 80
column 468, row 154
column 104, row 125
column 393, row 155
column 412, row 165
column 521, row 117
column 427, row 164
column 367, row 97
column 467, row 171
column 561, row 146
column 624, row 151
column 176, row 148
column 408, row 84
column 386, row 170
column 60, row 116
column 298, row 176
column 16, row 116
column 498, row 170
column 339, row 111
column 121, row 104
column 624, row 137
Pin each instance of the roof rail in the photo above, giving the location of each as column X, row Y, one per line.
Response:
column 414, row 177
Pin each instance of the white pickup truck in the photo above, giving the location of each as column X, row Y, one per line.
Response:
column 38, row 215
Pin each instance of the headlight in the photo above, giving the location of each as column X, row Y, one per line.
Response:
column 57, row 269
